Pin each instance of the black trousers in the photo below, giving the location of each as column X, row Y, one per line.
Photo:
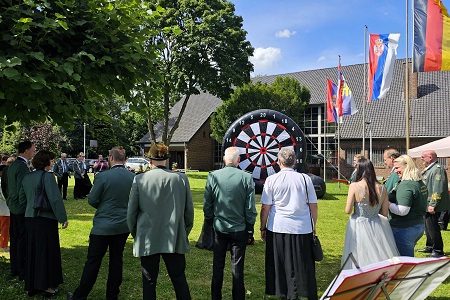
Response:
column 444, row 219
column 175, row 265
column 98, row 245
column 78, row 189
column 433, row 232
column 237, row 241
column 18, row 249
column 63, row 182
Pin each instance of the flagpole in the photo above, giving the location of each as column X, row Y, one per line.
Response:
column 325, row 145
column 407, row 81
column 339, row 133
column 365, row 94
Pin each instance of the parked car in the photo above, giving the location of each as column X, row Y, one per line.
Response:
column 90, row 165
column 137, row 164
column 70, row 162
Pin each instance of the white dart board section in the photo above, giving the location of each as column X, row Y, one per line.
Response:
column 259, row 135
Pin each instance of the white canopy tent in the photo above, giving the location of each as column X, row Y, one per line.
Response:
column 441, row 147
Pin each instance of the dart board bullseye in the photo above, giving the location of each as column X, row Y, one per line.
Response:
column 259, row 135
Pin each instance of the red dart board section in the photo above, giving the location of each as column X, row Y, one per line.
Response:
column 259, row 135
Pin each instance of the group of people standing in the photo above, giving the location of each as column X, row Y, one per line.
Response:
column 388, row 220
column 156, row 207
column 32, row 231
column 287, row 223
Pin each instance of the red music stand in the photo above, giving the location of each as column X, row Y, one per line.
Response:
column 401, row 277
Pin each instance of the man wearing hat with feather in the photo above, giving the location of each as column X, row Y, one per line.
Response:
column 160, row 217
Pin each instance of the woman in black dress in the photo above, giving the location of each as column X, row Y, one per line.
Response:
column 43, row 266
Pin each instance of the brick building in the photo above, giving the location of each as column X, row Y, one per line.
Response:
column 384, row 121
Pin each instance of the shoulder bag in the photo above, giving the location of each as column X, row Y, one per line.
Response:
column 40, row 197
column 316, row 246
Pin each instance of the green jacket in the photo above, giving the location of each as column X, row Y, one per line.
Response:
column 435, row 178
column 230, row 199
column 109, row 196
column 28, row 190
column 160, row 212
column 15, row 174
column 414, row 195
column 391, row 181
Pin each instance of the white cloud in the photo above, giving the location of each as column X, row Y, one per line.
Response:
column 286, row 33
column 265, row 57
column 321, row 58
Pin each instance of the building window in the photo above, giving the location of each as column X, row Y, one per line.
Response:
column 350, row 154
column 443, row 162
column 218, row 156
column 311, row 118
column 377, row 156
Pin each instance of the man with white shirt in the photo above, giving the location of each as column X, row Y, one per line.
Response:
column 15, row 174
column 61, row 171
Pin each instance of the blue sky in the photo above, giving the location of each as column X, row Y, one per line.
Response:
column 297, row 35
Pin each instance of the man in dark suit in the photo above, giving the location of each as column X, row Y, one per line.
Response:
column 16, row 172
column 79, row 173
column 229, row 203
column 109, row 196
column 61, row 171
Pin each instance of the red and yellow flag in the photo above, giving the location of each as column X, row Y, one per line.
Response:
column 431, row 36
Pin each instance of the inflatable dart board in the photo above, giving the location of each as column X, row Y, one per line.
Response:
column 259, row 135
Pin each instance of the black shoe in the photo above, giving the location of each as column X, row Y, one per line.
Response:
column 69, row 296
column 46, row 294
column 436, row 254
column 32, row 293
column 425, row 250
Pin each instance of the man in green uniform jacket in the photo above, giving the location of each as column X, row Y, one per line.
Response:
column 109, row 196
column 389, row 156
column 229, row 203
column 160, row 218
column 16, row 172
column 435, row 178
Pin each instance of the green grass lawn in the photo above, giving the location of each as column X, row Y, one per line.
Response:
column 74, row 241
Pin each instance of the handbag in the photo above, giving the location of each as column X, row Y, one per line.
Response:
column 206, row 239
column 316, row 245
column 40, row 197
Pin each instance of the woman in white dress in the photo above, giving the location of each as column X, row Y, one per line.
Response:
column 368, row 236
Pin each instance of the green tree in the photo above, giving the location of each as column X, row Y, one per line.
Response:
column 133, row 127
column 285, row 95
column 11, row 136
column 209, row 53
column 43, row 134
column 61, row 59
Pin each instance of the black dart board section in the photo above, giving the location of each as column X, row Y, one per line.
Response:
column 259, row 135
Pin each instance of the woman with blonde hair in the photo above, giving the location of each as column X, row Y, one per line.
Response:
column 408, row 205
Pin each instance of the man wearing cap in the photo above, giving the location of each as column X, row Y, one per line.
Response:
column 79, row 172
column 160, row 217
column 109, row 196
column 229, row 204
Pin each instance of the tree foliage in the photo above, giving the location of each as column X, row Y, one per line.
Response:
column 43, row 135
column 208, row 53
column 285, row 95
column 61, row 59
